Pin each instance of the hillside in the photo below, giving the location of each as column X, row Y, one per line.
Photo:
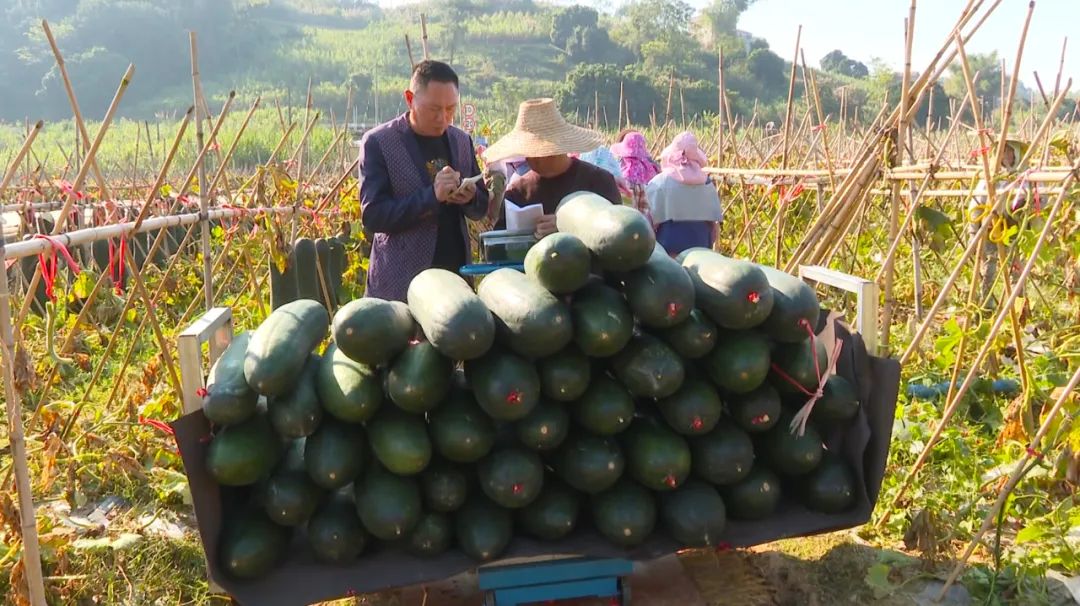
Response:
column 662, row 53
column 504, row 51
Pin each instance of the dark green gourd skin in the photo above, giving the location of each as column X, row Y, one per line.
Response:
column 735, row 294
column 619, row 237
column 530, row 320
column 451, row 315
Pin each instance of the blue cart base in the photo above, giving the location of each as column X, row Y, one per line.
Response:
column 562, row 579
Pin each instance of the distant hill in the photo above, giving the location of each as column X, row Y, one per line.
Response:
column 663, row 54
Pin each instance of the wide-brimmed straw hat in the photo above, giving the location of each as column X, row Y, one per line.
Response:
column 541, row 131
column 1020, row 148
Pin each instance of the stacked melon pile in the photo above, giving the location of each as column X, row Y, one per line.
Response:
column 609, row 387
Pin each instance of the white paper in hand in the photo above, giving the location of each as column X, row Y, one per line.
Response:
column 522, row 218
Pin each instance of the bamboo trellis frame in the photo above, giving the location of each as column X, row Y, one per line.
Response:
column 854, row 184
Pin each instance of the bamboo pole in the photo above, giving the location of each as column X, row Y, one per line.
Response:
column 31, row 556
column 622, row 99
column 424, row 38
column 720, row 107
column 204, row 195
column 670, row 93
column 341, row 180
column 13, row 167
column 408, row 48
column 822, row 124
column 80, row 178
column 916, row 199
column 197, row 171
column 166, row 352
column 232, row 148
column 928, row 78
column 73, row 101
column 861, row 167
column 26, row 248
column 1019, row 471
column 991, row 172
column 894, row 200
column 782, row 208
column 1061, row 66
column 69, row 202
column 951, row 406
column 326, row 155
column 1014, row 321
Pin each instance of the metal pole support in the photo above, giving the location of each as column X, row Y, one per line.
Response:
column 866, row 292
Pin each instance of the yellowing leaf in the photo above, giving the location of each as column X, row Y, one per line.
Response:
column 83, row 285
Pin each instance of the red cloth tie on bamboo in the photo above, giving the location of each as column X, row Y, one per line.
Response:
column 159, row 425
column 69, row 189
column 787, row 195
column 798, row 423
column 49, row 264
column 117, row 255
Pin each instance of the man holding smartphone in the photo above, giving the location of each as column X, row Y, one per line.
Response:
column 415, row 186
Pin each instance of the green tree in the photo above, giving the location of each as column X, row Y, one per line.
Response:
column 770, row 70
column 642, row 21
column 670, row 51
column 591, row 44
column 566, row 21
column 839, row 63
column 584, row 84
column 719, row 18
column 986, row 71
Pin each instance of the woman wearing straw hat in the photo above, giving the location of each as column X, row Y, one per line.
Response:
column 546, row 141
column 413, row 195
column 683, row 203
column 1011, row 197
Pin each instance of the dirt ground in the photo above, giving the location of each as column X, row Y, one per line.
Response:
column 826, row 570
column 817, row 571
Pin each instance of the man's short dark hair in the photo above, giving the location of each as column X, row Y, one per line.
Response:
column 428, row 71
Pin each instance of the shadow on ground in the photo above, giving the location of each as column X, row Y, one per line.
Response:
column 826, row 570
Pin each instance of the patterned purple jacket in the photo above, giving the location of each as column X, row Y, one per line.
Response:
column 399, row 205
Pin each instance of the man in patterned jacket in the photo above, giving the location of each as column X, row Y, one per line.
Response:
column 411, row 192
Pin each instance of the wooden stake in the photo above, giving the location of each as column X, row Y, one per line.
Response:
column 720, row 107
column 92, row 152
column 232, row 147
column 423, row 31
column 31, row 557
column 670, row 91
column 204, row 195
column 781, row 210
column 69, row 201
column 1061, row 66
column 84, row 136
column 990, row 339
column 1019, row 471
column 682, row 106
column 894, row 202
column 596, row 109
column 621, row 101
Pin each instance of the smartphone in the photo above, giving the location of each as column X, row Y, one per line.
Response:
column 465, row 182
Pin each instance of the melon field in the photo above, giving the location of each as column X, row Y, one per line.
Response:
column 619, row 382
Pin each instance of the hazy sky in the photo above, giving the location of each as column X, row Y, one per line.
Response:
column 875, row 28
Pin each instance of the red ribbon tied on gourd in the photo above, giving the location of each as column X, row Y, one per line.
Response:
column 798, row 423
